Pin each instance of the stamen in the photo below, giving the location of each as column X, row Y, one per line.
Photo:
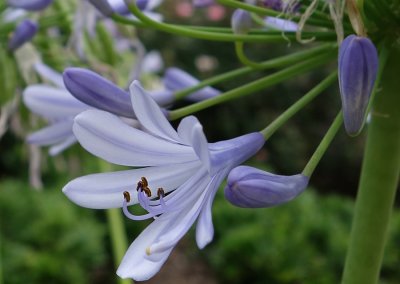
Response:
column 161, row 194
column 127, row 196
column 132, row 216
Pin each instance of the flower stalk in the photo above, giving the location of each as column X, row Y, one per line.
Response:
column 378, row 183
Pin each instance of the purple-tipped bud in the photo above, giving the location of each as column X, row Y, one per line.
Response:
column 358, row 66
column 142, row 4
column 23, row 33
column 98, row 92
column 103, row 7
column 176, row 79
column 30, row 5
column 249, row 187
column 241, row 21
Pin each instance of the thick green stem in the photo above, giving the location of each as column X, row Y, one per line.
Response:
column 378, row 184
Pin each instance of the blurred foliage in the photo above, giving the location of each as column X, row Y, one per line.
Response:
column 303, row 241
column 47, row 239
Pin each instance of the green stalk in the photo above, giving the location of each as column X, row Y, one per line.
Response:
column 119, row 242
column 239, row 48
column 268, row 131
column 378, row 183
column 272, row 63
column 254, row 86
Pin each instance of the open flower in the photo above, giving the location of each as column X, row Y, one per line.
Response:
column 177, row 185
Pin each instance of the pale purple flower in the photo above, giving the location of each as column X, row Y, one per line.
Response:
column 57, row 106
column 358, row 66
column 241, row 21
column 181, row 162
column 176, row 79
column 23, row 33
column 30, row 5
column 253, row 188
column 202, row 3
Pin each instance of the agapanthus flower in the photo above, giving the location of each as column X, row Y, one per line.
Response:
column 176, row 186
column 358, row 66
column 253, row 188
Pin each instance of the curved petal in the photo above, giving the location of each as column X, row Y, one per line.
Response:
column 191, row 132
column 51, row 102
column 150, row 115
column 49, row 74
column 54, row 133
column 105, row 190
column 58, row 148
column 204, row 227
column 106, row 136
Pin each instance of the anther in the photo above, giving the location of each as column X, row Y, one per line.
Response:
column 127, row 196
column 160, row 192
column 147, row 191
column 144, row 182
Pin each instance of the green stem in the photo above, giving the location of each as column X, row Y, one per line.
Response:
column 323, row 145
column 119, row 242
column 378, row 182
column 239, row 48
column 272, row 63
column 217, row 36
column 254, row 86
column 301, row 103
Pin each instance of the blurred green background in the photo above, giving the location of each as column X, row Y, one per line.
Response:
column 44, row 238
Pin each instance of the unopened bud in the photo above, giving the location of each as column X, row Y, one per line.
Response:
column 241, row 21
column 23, row 33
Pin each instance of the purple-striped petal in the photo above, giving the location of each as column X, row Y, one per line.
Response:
column 97, row 91
column 54, row 133
column 51, row 102
column 106, row 136
column 358, row 66
column 150, row 115
column 254, row 188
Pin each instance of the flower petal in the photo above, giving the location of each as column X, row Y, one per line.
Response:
column 191, row 132
column 106, row 136
column 49, row 74
column 105, row 190
column 150, row 115
column 54, row 133
column 58, row 148
column 51, row 102
column 204, row 227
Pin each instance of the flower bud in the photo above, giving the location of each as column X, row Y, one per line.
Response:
column 98, row 92
column 30, row 5
column 23, row 33
column 253, row 188
column 103, row 7
column 358, row 65
column 241, row 21
column 176, row 79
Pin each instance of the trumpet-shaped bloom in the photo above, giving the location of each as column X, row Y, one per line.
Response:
column 358, row 66
column 176, row 186
column 253, row 188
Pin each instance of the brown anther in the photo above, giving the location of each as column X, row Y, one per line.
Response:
column 147, row 191
column 139, row 186
column 127, row 196
column 144, row 182
column 160, row 192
